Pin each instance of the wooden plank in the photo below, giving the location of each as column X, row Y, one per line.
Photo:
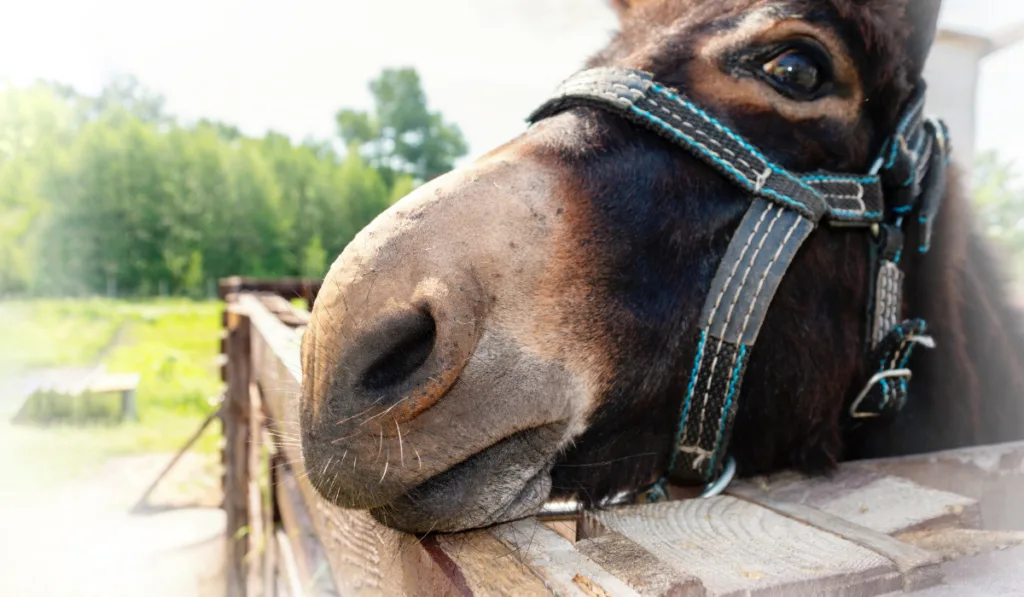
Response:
column 993, row 574
column 920, row 569
column 564, row 569
column 307, row 549
column 993, row 475
column 952, row 544
column 486, row 565
column 236, row 441
column 256, row 537
column 284, row 310
column 869, row 499
column 365, row 557
column 739, row 548
column 288, row 566
column 638, row 568
column 565, row 528
column 305, row 288
column 267, row 466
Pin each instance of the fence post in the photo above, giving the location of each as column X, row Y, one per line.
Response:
column 236, row 419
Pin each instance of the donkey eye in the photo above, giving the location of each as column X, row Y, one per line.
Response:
column 800, row 73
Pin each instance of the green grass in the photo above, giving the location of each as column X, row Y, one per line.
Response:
column 173, row 344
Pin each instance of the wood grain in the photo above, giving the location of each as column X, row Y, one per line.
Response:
column 307, row 550
column 883, row 503
column 256, row 537
column 738, row 548
column 638, row 568
column 993, row 475
column 564, row 570
column 236, row 449
column 920, row 569
column 490, row 567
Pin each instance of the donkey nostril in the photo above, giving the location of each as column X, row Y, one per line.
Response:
column 405, row 344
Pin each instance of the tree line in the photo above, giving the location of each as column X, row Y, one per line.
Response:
column 109, row 194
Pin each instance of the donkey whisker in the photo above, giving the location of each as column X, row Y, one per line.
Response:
column 401, row 450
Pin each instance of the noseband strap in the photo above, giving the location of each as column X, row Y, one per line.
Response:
column 785, row 207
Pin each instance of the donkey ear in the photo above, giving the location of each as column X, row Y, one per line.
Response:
column 921, row 20
column 621, row 7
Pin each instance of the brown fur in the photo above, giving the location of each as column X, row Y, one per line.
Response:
column 524, row 327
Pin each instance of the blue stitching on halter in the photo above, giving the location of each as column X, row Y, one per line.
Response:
column 923, row 220
column 689, row 396
column 725, row 409
column 854, row 213
column 728, row 132
column 902, row 209
column 913, row 170
column 896, row 259
column 704, row 149
column 894, row 150
column 853, row 179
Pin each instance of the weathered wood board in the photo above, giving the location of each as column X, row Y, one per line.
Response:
column 870, row 499
column 879, row 527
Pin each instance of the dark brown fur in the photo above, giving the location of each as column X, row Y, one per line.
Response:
column 566, row 270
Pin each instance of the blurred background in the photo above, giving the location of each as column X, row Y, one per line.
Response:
column 146, row 151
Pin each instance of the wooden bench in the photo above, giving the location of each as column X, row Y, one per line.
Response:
column 928, row 525
column 126, row 384
column 96, row 381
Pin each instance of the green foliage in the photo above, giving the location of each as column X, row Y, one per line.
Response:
column 172, row 343
column 999, row 205
column 402, row 136
column 314, row 259
column 108, row 194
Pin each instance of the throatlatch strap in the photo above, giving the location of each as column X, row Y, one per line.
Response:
column 758, row 256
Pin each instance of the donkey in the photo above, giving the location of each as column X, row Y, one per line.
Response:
column 528, row 327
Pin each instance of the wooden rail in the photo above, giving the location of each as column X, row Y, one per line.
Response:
column 875, row 527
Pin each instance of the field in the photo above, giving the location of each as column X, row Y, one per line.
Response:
column 173, row 344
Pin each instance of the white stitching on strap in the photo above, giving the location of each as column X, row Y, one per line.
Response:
column 750, row 312
column 718, row 301
column 702, row 133
column 728, row 319
column 762, row 179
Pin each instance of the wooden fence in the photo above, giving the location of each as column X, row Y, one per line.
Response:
column 949, row 523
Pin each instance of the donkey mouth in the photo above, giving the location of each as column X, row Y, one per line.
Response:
column 508, row 480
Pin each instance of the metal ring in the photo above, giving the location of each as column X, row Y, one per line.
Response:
column 717, row 487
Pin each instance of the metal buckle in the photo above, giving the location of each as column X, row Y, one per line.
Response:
column 887, row 374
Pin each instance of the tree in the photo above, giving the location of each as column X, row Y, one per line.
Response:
column 999, row 203
column 108, row 192
column 314, row 259
column 125, row 93
column 402, row 136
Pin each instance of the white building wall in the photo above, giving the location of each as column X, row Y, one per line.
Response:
column 952, row 77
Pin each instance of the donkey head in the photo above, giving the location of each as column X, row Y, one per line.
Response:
column 524, row 327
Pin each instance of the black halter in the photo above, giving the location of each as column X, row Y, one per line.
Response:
column 909, row 177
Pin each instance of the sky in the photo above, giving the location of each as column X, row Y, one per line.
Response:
column 290, row 66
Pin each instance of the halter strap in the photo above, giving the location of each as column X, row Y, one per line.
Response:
column 785, row 208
